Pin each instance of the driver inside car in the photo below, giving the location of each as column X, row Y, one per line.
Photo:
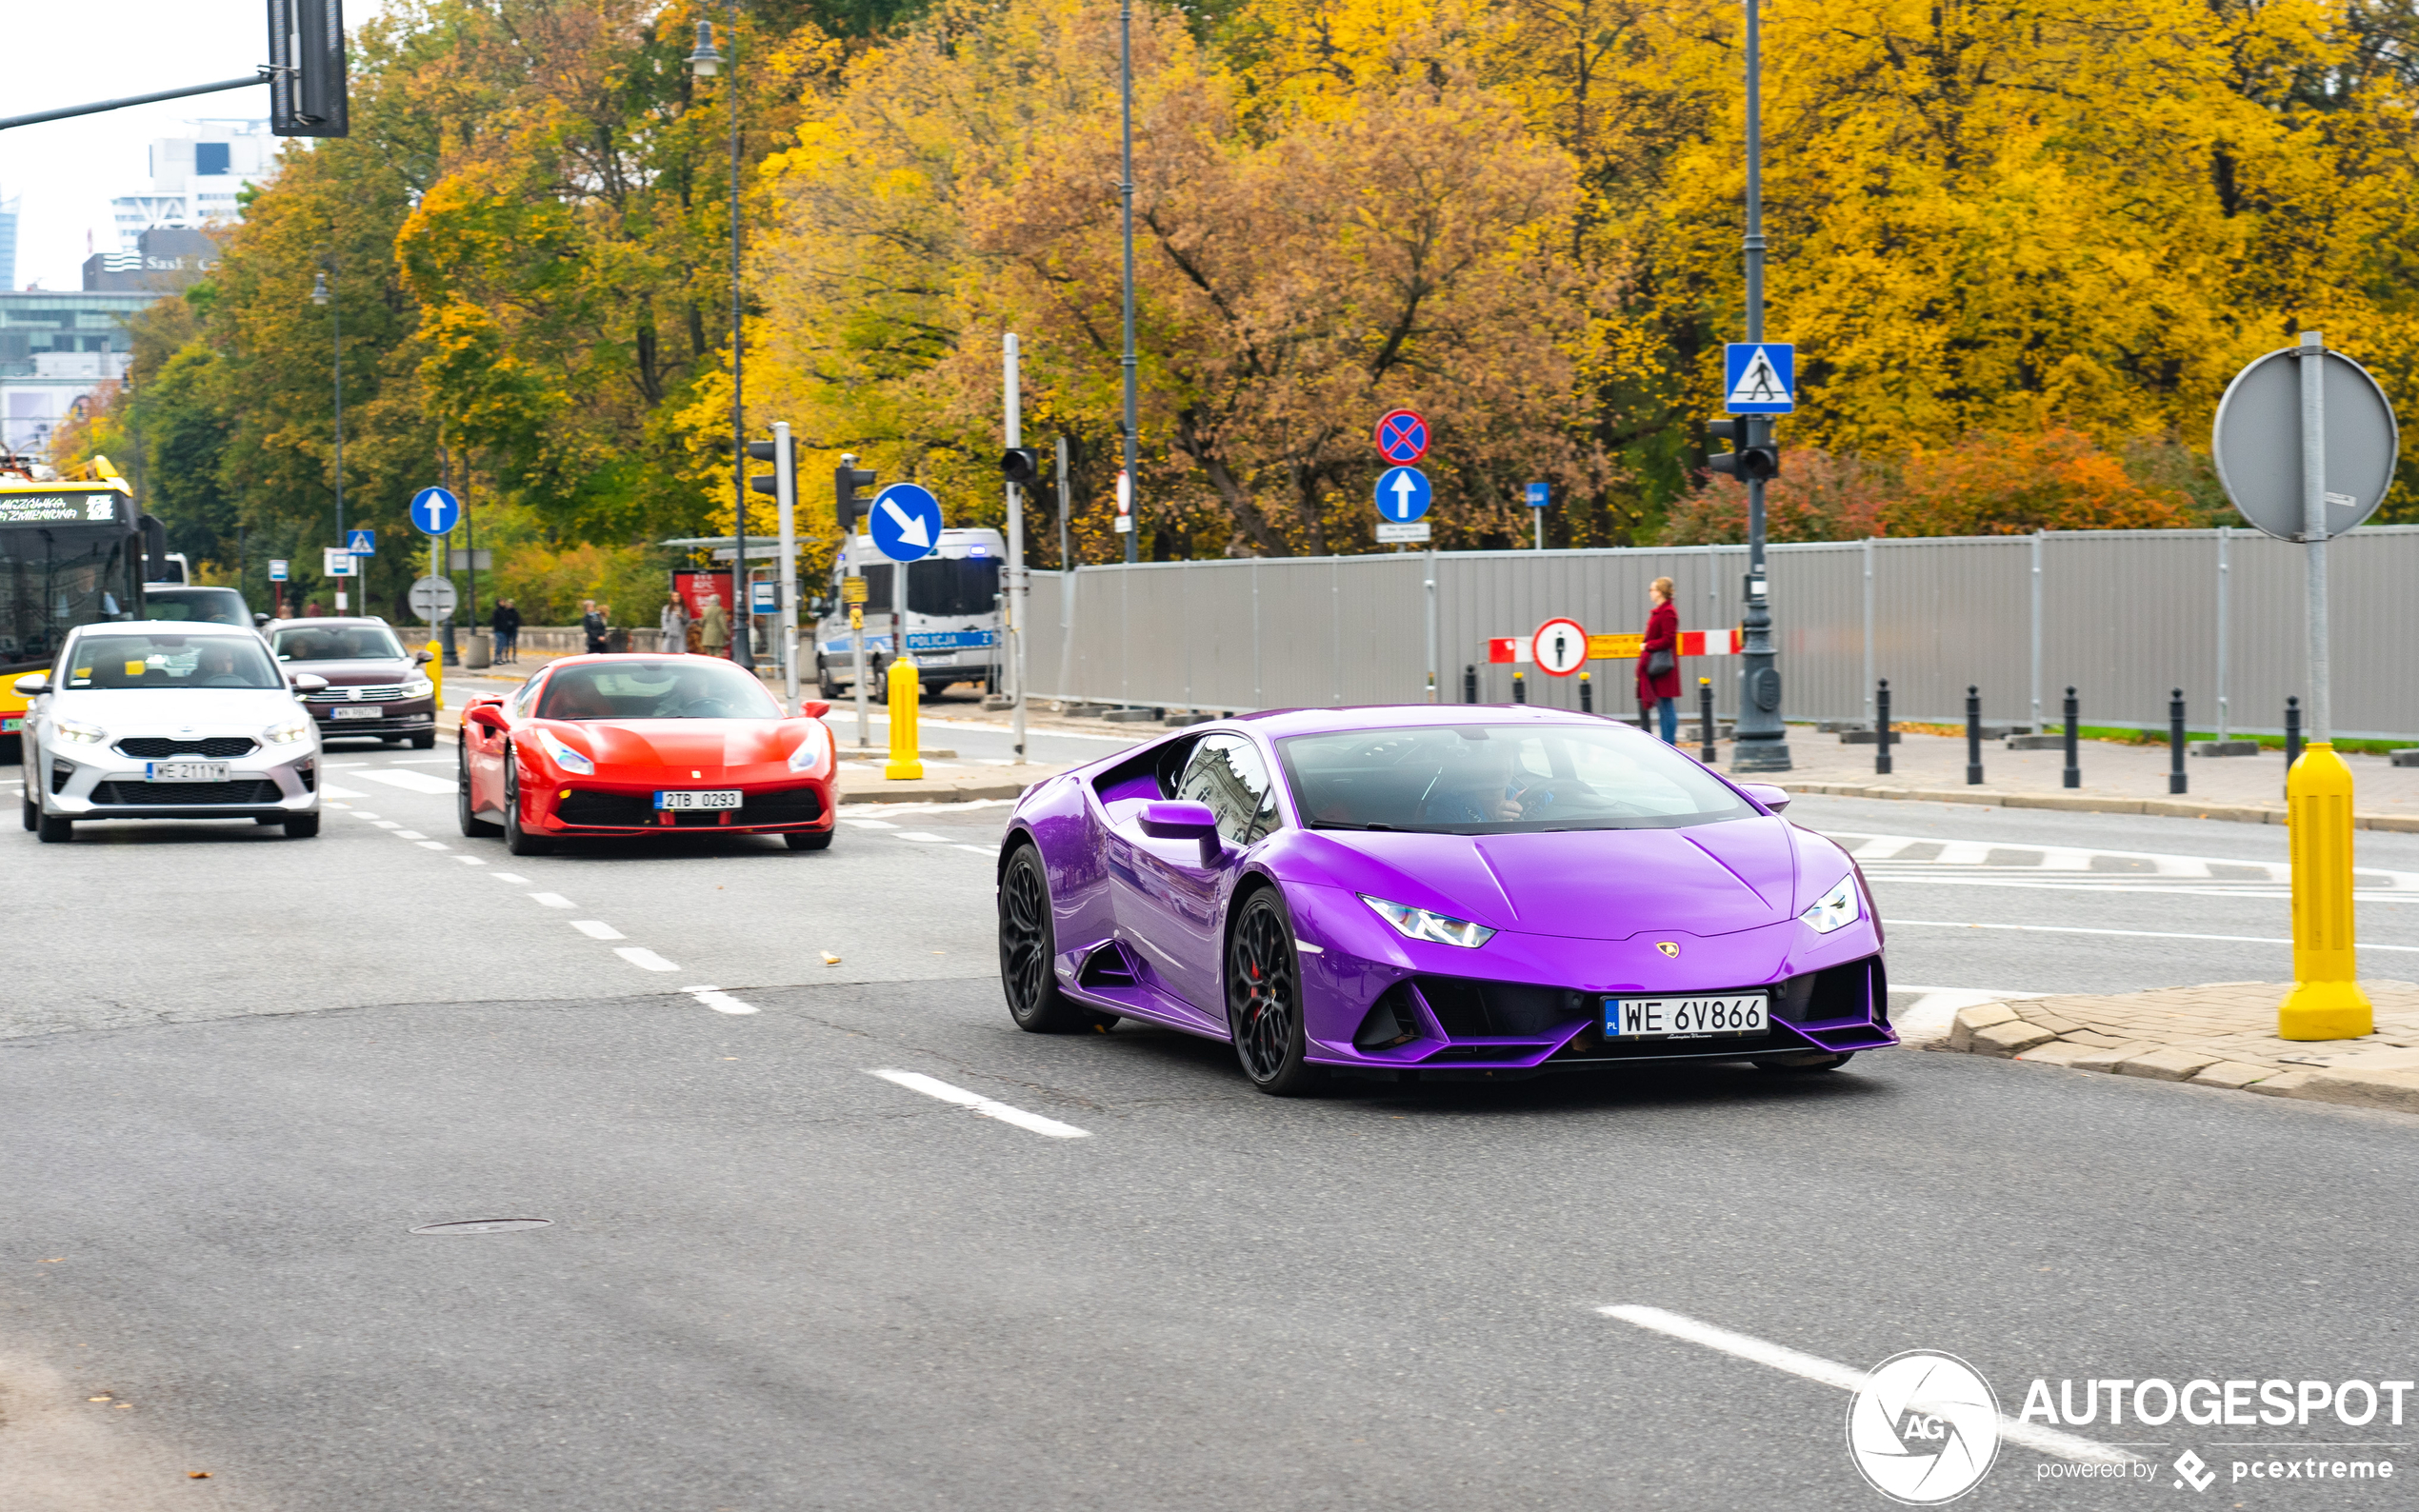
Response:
column 1478, row 786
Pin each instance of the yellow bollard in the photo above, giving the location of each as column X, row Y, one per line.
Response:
column 436, row 670
column 2326, row 1003
column 907, row 757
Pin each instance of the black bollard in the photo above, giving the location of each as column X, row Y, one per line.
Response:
column 1704, row 720
column 1881, row 729
column 1973, row 736
column 1520, row 689
column 2175, row 782
column 1587, row 695
column 2074, row 754
column 1469, row 684
column 2292, row 732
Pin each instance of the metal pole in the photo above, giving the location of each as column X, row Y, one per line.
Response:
column 1704, row 720
column 1014, row 407
column 1868, row 632
column 267, row 71
column 1881, row 729
column 1126, row 201
column 2072, row 776
column 1433, row 694
column 856, row 614
column 744, row 616
column 1973, row 736
column 336, row 315
column 1760, row 741
column 2313, row 367
column 2225, row 575
column 1066, row 558
column 1540, row 515
column 2175, row 783
column 786, row 481
column 2037, row 539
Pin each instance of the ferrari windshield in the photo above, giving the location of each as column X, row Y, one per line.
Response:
column 656, row 687
column 1500, row 779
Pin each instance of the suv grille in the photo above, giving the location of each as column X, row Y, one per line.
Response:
column 156, row 746
column 186, row 795
column 380, row 693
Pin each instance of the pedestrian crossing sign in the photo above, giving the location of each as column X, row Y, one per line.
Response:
column 1759, row 378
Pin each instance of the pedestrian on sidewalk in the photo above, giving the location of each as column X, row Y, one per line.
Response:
column 506, row 623
column 676, row 628
column 593, row 625
column 716, row 634
column 1659, row 662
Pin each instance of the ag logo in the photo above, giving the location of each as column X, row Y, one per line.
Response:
column 1923, row 1428
column 1669, row 947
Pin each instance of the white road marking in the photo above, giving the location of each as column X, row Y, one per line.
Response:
column 721, row 1001
column 597, row 929
column 331, row 790
column 870, row 824
column 470, row 860
column 385, row 824
column 433, row 844
column 1935, row 1008
column 1876, row 849
column 644, row 959
column 920, row 836
column 980, row 850
column 552, row 900
column 930, row 1086
column 2137, row 934
column 510, row 878
column 1846, row 1378
column 408, row 781
column 410, row 834
column 2213, row 890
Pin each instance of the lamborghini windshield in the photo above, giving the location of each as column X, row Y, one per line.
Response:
column 1500, row 779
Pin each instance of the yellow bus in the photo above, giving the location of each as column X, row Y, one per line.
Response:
column 71, row 553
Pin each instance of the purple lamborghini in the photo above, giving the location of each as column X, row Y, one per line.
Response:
column 1427, row 892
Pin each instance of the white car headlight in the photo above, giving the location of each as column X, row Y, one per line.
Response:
column 1835, row 909
column 810, row 753
column 418, row 687
column 288, row 731
column 78, row 731
column 1422, row 923
column 570, row 760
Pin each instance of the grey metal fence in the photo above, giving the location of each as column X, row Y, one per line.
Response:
column 2121, row 615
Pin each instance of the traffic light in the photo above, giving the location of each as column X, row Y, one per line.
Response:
column 846, row 480
column 1022, row 465
column 1758, row 456
column 307, row 63
column 778, row 455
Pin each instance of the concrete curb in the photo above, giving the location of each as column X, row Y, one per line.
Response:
column 2088, row 804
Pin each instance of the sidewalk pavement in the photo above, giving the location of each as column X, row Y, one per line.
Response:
column 2117, row 779
column 2220, row 1035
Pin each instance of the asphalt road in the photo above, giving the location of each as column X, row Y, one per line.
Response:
column 237, row 1071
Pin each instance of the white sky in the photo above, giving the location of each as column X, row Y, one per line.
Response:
column 65, row 172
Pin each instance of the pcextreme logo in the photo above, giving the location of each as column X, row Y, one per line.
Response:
column 1923, row 1428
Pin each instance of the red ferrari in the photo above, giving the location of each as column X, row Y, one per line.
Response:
column 644, row 745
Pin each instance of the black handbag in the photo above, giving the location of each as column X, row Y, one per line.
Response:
column 1660, row 661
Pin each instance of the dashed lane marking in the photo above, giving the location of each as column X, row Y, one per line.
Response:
column 1886, row 855
column 407, row 780
column 470, row 860
column 644, row 959
column 410, row 834
column 510, row 878
column 1848, row 1378
column 870, row 823
column 2134, row 934
column 922, row 838
column 721, row 1001
column 597, row 929
column 932, row 1086
column 433, row 844
column 331, row 790
column 552, row 900
column 384, row 823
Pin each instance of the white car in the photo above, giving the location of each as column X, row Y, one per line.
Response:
column 168, row 720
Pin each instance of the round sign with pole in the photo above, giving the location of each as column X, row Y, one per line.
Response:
column 905, row 522
column 1559, row 647
column 2257, row 443
column 1403, row 494
column 433, row 599
column 436, row 512
column 1402, row 437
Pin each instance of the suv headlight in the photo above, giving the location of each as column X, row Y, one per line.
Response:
column 1837, row 909
column 79, row 732
column 418, row 687
column 1422, row 923
column 288, row 731
column 570, row 760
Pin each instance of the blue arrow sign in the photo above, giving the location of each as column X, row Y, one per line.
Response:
column 1402, row 494
column 906, row 522
column 436, row 512
column 1540, row 495
column 362, row 542
column 1759, row 378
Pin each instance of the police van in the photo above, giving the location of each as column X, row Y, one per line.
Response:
column 945, row 609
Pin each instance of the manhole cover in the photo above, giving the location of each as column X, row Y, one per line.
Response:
column 482, row 1225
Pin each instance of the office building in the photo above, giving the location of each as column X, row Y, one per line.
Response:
column 57, row 347
column 197, row 179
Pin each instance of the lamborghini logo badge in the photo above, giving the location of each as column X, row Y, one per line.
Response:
column 1669, row 947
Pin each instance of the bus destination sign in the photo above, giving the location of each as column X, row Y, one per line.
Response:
column 57, row 507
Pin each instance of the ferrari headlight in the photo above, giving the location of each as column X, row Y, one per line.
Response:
column 570, row 760
column 418, row 687
column 810, row 753
column 1835, row 909
column 1436, row 928
column 78, row 731
column 288, row 731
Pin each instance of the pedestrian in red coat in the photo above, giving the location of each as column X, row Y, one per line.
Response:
column 1659, row 662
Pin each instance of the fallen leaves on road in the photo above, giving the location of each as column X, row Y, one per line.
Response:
column 197, row 1475
column 830, row 960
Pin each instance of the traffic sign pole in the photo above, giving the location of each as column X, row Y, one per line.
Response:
column 1760, row 742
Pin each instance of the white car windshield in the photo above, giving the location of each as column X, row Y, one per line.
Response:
column 164, row 660
column 666, row 688
column 1501, row 779
column 337, row 642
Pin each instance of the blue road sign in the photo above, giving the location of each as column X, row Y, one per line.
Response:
column 1402, row 436
column 906, row 522
column 362, row 542
column 761, row 597
column 1402, row 494
column 277, row 569
column 1759, row 378
column 1540, row 495
column 436, row 512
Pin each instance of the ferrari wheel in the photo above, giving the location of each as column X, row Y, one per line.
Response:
column 516, row 840
column 1263, row 1000
column 465, row 816
column 1028, row 952
column 799, row 840
column 1801, row 1064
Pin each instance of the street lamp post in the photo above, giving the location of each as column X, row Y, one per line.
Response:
column 705, row 62
column 322, row 294
column 1125, row 197
column 1761, row 743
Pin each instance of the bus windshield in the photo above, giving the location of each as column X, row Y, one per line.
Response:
column 54, row 578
